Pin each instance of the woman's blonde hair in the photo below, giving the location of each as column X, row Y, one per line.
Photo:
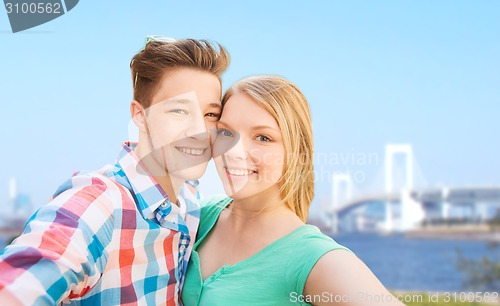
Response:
column 289, row 107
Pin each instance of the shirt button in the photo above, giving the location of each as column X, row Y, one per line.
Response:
column 182, row 248
column 164, row 204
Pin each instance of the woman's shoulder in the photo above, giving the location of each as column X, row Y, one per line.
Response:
column 311, row 239
column 307, row 244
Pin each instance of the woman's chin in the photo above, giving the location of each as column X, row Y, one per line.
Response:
column 234, row 192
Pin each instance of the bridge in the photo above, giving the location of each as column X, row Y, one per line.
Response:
column 407, row 207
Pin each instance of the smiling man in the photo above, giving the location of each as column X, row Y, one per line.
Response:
column 122, row 235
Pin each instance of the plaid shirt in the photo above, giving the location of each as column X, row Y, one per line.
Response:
column 109, row 237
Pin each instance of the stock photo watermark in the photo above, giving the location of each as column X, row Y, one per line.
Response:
column 351, row 164
column 26, row 14
column 425, row 297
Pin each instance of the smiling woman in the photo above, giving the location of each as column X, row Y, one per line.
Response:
column 263, row 153
column 242, row 176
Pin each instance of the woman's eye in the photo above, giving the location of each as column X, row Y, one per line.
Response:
column 224, row 132
column 263, row 138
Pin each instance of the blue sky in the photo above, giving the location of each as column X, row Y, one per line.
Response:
column 374, row 72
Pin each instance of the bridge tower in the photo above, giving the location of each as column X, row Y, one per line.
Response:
column 339, row 195
column 445, row 208
column 412, row 212
column 390, row 151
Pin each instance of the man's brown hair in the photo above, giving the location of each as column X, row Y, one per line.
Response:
column 150, row 64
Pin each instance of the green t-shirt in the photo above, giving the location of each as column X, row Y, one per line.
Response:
column 274, row 276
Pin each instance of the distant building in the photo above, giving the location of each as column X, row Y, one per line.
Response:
column 15, row 213
column 18, row 204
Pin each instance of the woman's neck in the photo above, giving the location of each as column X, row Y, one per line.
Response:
column 261, row 202
column 258, row 210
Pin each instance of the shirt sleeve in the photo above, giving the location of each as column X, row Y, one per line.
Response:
column 63, row 249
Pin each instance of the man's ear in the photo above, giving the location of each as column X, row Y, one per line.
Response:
column 137, row 113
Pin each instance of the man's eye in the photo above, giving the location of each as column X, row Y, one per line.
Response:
column 213, row 115
column 263, row 138
column 179, row 111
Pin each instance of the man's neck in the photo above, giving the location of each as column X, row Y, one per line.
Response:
column 170, row 185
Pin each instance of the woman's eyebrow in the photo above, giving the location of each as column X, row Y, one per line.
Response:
column 257, row 127
column 264, row 127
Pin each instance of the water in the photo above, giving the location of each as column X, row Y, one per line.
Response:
column 415, row 264
column 412, row 264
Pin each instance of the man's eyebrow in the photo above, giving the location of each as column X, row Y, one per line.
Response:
column 188, row 101
column 171, row 101
column 179, row 101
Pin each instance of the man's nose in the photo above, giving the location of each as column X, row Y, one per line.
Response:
column 197, row 128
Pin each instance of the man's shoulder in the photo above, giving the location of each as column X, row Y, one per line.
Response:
column 101, row 181
column 91, row 196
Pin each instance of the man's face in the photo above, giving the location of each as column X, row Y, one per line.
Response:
column 183, row 111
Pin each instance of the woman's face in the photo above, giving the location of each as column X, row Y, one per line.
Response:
column 248, row 150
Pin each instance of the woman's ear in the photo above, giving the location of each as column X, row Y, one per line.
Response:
column 137, row 113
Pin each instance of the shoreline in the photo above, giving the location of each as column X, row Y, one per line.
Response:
column 481, row 233
column 466, row 233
